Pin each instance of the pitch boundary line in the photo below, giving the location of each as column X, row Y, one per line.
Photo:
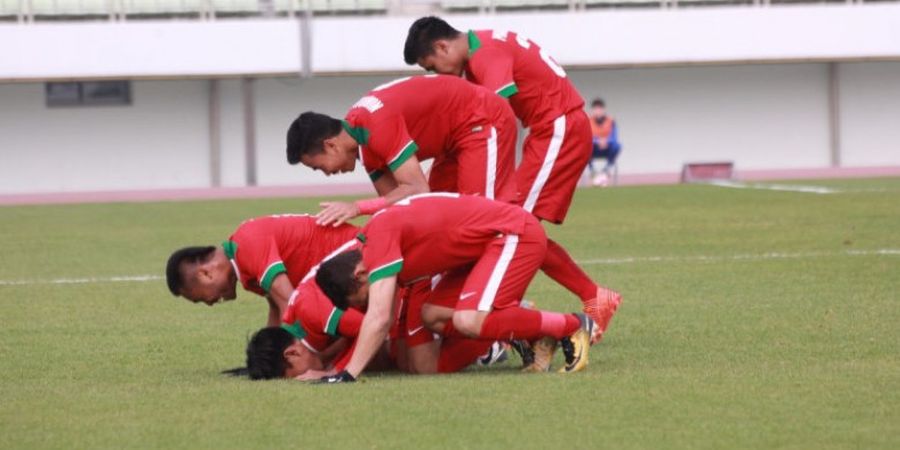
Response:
column 89, row 280
column 741, row 257
column 586, row 262
column 805, row 189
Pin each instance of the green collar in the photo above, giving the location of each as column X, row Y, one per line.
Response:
column 230, row 248
column 295, row 329
column 361, row 135
column 474, row 42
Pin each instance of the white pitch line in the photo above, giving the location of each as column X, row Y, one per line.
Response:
column 587, row 262
column 741, row 257
column 121, row 279
column 775, row 187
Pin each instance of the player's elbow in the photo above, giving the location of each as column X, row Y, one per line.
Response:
column 415, row 188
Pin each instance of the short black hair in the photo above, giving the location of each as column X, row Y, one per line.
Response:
column 306, row 133
column 422, row 34
column 192, row 255
column 335, row 277
column 598, row 102
column 265, row 353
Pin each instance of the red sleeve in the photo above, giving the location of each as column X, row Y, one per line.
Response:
column 389, row 144
column 350, row 323
column 259, row 261
column 492, row 67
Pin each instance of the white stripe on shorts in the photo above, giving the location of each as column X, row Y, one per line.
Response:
column 491, row 164
column 490, row 291
column 559, row 132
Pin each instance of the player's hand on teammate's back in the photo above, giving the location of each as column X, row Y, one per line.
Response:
column 340, row 377
column 336, row 213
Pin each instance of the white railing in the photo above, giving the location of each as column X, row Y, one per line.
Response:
column 27, row 11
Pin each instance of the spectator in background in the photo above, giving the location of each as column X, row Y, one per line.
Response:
column 606, row 142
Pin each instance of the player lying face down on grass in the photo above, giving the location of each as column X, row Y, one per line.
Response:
column 490, row 250
column 559, row 140
column 469, row 132
column 317, row 326
column 268, row 255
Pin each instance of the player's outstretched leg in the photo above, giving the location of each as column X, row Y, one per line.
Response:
column 599, row 303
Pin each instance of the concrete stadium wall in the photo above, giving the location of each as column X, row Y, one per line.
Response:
column 160, row 141
column 870, row 109
column 760, row 116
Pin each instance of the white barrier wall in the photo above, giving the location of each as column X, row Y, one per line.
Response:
column 160, row 141
column 602, row 38
column 760, row 116
column 763, row 117
column 870, row 109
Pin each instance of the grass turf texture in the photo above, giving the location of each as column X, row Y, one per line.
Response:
column 704, row 353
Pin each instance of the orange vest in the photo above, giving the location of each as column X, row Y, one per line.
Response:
column 602, row 131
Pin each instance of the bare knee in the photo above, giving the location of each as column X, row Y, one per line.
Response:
column 435, row 317
column 467, row 323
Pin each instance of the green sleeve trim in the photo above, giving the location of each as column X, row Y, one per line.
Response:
column 269, row 275
column 474, row 42
column 508, row 91
column 388, row 270
column 408, row 150
column 331, row 327
column 295, row 329
column 230, row 248
column 375, row 175
column 359, row 134
column 361, row 238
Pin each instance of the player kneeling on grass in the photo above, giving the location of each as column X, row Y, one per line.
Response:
column 268, row 255
column 491, row 250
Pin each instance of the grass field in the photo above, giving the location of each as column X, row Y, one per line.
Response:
column 751, row 319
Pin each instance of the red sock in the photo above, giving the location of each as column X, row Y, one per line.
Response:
column 559, row 266
column 512, row 323
column 558, row 325
column 457, row 354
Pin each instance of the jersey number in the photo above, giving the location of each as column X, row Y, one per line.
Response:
column 526, row 44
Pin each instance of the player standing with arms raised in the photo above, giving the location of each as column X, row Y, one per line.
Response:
column 558, row 145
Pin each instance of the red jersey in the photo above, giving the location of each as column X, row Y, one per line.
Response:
column 516, row 68
column 311, row 317
column 422, row 115
column 264, row 247
column 424, row 235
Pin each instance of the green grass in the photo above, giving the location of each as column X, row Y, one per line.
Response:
column 798, row 352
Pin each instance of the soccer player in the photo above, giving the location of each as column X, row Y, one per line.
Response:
column 493, row 248
column 268, row 255
column 558, row 145
column 315, row 325
column 277, row 352
column 469, row 132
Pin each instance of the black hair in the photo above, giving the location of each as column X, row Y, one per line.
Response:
column 265, row 353
column 598, row 102
column 335, row 277
column 422, row 34
column 192, row 255
column 306, row 133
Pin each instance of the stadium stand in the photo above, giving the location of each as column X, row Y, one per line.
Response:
column 30, row 10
